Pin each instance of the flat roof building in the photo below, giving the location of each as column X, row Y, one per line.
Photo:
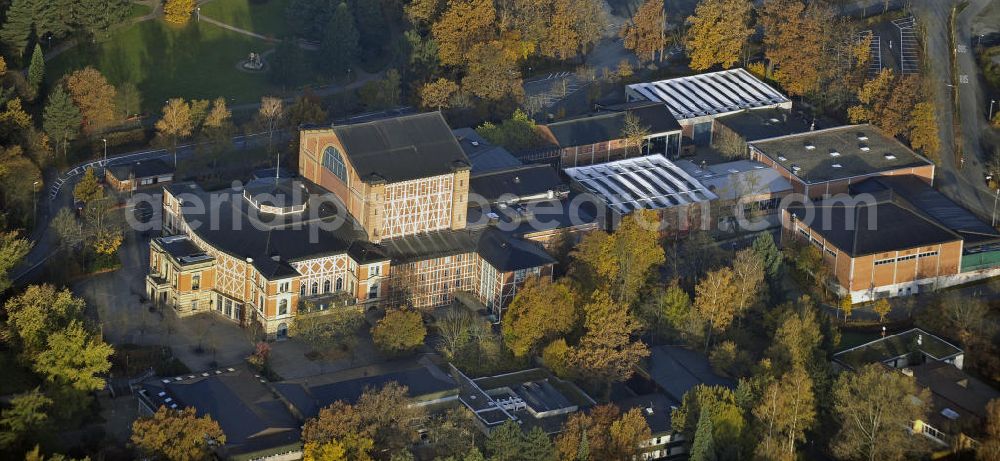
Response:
column 826, row 162
column 696, row 100
column 908, row 348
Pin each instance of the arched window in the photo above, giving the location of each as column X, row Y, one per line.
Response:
column 334, row 161
column 340, row 284
column 315, row 288
column 326, row 286
column 283, row 307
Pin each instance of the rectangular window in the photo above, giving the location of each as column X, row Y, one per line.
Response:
column 831, row 252
column 194, row 305
column 881, row 262
column 196, row 282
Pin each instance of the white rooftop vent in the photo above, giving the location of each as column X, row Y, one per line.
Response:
column 809, row 145
column 475, row 143
column 862, row 137
column 834, row 153
column 774, row 120
column 864, row 148
column 162, row 393
column 173, row 406
column 836, row 165
column 796, row 168
column 781, row 158
column 890, row 157
column 231, row 369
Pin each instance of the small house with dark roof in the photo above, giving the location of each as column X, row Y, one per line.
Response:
column 603, row 135
column 958, row 405
column 135, row 175
column 827, row 162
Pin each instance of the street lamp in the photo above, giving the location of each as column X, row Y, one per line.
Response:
column 992, row 102
column 995, row 198
column 34, row 202
column 105, row 151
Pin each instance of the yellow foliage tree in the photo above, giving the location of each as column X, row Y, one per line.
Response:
column 463, row 24
column 718, row 33
column 437, row 94
column 924, row 130
column 622, row 260
column 94, row 96
column 795, row 43
column 646, row 34
column 178, row 11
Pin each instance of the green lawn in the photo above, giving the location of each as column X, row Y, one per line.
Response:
column 139, row 10
column 191, row 61
column 265, row 17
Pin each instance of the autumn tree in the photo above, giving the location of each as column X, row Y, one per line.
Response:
column 177, row 435
column 517, row 133
column 381, row 417
column 400, row 331
column 437, row 94
column 716, row 298
column 882, row 308
column 463, row 24
column 269, row 116
column 668, row 312
column 587, row 435
column 718, row 33
column 874, row 406
column 74, row 357
column 646, row 34
column 423, row 12
column 634, row 133
column 989, row 449
column 178, row 11
column 627, row 433
column 176, row 122
column 888, row 102
column 606, row 352
column 923, row 129
column 540, row 312
column 88, row 189
column 33, row 316
column 94, row 97
column 25, row 418
column 785, row 412
column 623, row 259
column 492, row 73
column 795, row 43
column 748, row 278
column 13, row 249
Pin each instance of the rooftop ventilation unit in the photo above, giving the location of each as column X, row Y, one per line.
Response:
column 809, row 145
column 774, row 120
column 862, row 137
column 864, row 148
column 796, row 168
column 890, row 157
column 834, row 153
column 475, row 143
column 781, row 158
column 836, row 165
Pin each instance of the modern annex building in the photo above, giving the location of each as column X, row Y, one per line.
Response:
column 697, row 100
column 379, row 216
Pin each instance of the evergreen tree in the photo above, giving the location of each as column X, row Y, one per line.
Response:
column 703, row 448
column 96, row 16
column 53, row 17
column 287, row 64
column 36, row 71
column 309, row 17
column 61, row 119
column 371, row 25
column 340, row 45
column 17, row 29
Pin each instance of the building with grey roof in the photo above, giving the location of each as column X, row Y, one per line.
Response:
column 483, row 155
column 134, row 175
column 826, row 162
column 603, row 136
column 696, row 100
column 755, row 189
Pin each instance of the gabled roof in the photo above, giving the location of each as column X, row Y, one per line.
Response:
column 402, row 148
column 609, row 124
column 861, row 228
column 502, row 251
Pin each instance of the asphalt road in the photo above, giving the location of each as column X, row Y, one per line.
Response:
column 962, row 183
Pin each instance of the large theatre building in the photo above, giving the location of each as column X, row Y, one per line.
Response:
column 379, row 217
